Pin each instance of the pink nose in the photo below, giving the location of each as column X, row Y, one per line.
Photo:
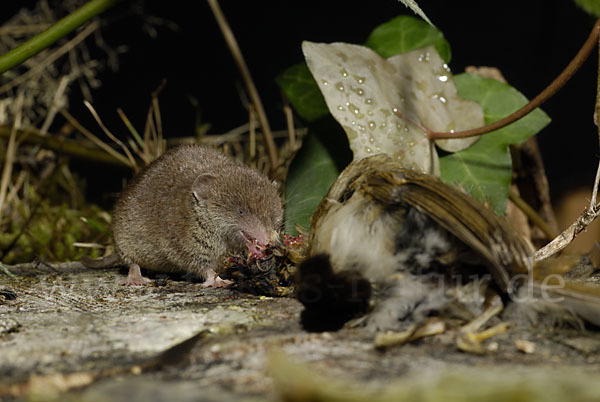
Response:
column 256, row 245
column 258, row 237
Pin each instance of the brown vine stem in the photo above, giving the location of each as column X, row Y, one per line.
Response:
column 547, row 93
column 252, row 91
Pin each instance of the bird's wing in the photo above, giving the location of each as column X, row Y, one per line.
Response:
column 491, row 236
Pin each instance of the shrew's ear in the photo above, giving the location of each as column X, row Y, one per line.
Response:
column 201, row 186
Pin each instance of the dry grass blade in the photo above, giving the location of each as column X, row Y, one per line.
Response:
column 156, row 112
column 131, row 128
column 95, row 139
column 111, row 136
column 12, row 195
column 252, row 91
column 139, row 147
column 252, row 134
column 10, row 154
column 23, row 29
column 56, row 104
column 139, row 152
column 289, row 119
column 150, row 135
column 153, row 143
column 231, row 135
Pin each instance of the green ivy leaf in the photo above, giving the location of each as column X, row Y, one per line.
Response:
column 299, row 86
column 484, row 169
column 403, row 34
column 590, row 6
column 312, row 172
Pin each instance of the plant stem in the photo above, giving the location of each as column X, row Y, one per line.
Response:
column 547, row 93
column 252, row 91
column 55, row 32
column 63, row 146
column 532, row 215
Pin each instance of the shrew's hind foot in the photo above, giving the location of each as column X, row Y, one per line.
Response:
column 134, row 277
column 214, row 281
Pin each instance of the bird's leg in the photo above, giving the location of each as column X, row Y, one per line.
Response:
column 469, row 340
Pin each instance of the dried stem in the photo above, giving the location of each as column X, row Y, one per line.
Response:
column 110, row 135
column 252, row 134
column 56, row 104
column 95, row 139
column 532, row 215
column 10, row 153
column 547, row 93
column 62, row 145
column 157, row 119
column 289, row 119
column 252, row 91
column 134, row 133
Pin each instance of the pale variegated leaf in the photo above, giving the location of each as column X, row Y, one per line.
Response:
column 359, row 91
column 429, row 97
column 366, row 94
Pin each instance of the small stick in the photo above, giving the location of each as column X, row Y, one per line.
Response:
column 532, row 215
column 569, row 234
column 252, row 91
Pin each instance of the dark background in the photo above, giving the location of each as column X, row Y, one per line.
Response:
column 530, row 41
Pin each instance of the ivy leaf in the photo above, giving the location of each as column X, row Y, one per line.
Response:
column 299, row 86
column 404, row 34
column 484, row 169
column 312, row 172
column 590, row 6
column 381, row 103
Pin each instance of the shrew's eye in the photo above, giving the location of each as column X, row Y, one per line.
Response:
column 241, row 211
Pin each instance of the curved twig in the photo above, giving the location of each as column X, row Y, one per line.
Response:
column 547, row 93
